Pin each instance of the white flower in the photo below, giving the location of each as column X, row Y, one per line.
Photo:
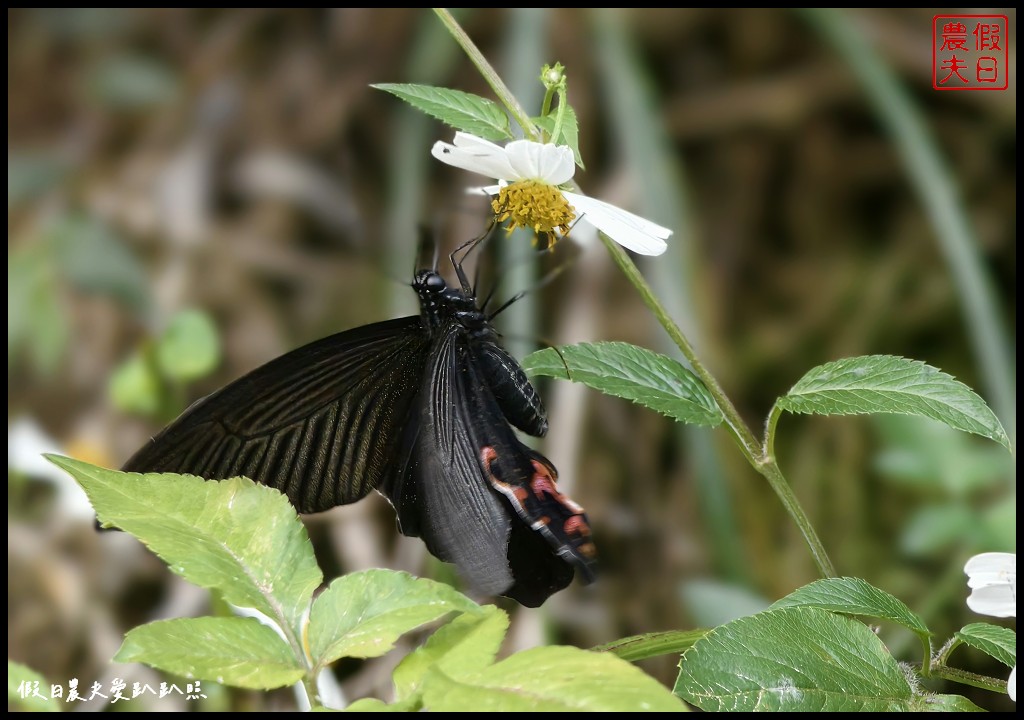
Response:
column 528, row 193
column 992, row 578
column 26, row 443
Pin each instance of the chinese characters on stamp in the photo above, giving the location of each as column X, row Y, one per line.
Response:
column 970, row 52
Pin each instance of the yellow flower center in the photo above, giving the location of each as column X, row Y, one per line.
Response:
column 534, row 205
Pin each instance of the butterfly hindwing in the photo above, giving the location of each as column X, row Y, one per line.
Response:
column 528, row 480
column 320, row 423
column 450, row 496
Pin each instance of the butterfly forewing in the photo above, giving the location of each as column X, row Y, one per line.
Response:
column 320, row 423
column 440, row 498
column 419, row 408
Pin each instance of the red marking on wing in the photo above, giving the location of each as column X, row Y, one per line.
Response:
column 543, row 483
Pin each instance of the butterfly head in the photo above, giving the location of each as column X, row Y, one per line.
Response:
column 441, row 304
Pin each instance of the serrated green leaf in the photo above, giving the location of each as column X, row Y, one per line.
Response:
column 999, row 642
column 189, row 348
column 550, row 679
column 239, row 538
column 229, row 650
column 888, row 384
column 793, row 659
column 853, row 596
column 467, row 643
column 634, row 373
column 135, row 387
column 648, row 645
column 28, row 690
column 569, row 134
column 362, row 614
column 944, row 703
column 461, row 110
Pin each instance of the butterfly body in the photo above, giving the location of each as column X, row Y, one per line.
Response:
column 418, row 408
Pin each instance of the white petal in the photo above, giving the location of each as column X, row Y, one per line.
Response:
column 1011, row 684
column 26, row 443
column 991, row 567
column 468, row 141
column 995, row 600
column 628, row 230
column 550, row 163
column 475, row 155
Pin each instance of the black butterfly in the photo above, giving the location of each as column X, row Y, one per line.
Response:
column 417, row 408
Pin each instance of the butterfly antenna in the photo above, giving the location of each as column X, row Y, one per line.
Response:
column 544, row 281
column 568, row 372
column 466, row 248
column 519, row 261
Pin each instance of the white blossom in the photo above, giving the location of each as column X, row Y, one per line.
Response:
column 992, row 578
column 529, row 192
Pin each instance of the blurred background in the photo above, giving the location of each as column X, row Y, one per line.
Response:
column 194, row 192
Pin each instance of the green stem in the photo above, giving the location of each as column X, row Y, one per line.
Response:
column 769, row 430
column 752, row 450
column 312, row 694
column 490, row 76
column 968, row 678
column 560, row 118
column 943, row 653
column 545, row 106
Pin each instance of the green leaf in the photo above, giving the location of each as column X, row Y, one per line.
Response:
column 362, row 614
column 853, row 596
column 648, row 645
column 945, row 703
column 467, row 643
column 22, row 685
column 132, row 82
column 887, row 384
column 463, row 111
column 229, row 650
column 36, row 323
column 234, row 536
column 135, row 387
column 711, row 603
column 793, row 659
column 96, row 259
column 31, row 174
column 570, row 133
column 926, row 455
column 375, row 705
column 549, row 679
column 999, row 642
column 934, row 529
column 189, row 348
column 634, row 373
